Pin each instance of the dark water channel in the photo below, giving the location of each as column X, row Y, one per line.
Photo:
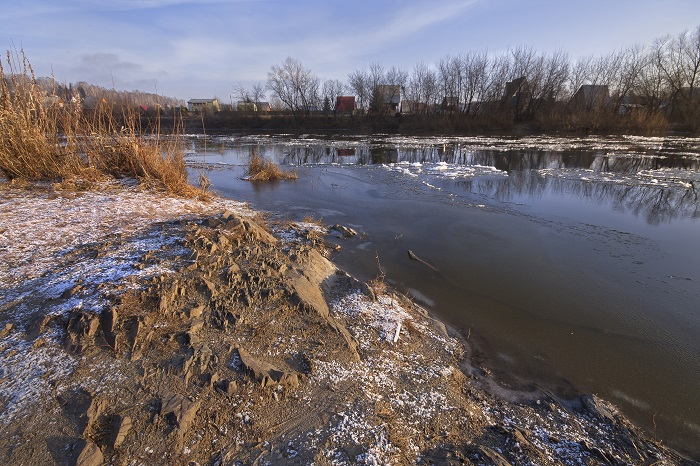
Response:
column 569, row 262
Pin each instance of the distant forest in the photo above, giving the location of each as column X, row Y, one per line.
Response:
column 89, row 96
column 644, row 88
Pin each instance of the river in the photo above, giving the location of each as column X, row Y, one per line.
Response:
column 572, row 263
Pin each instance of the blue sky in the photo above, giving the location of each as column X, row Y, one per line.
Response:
column 202, row 48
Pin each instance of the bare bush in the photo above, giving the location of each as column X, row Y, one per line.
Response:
column 260, row 169
column 45, row 138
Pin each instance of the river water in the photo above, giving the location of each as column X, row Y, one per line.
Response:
column 573, row 263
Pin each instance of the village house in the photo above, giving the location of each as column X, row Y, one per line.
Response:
column 198, row 105
column 52, row 101
column 413, row 106
column 591, row 96
column 246, row 106
column 250, row 106
column 391, row 96
column 517, row 92
column 263, row 107
column 345, row 104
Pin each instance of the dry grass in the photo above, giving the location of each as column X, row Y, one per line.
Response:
column 41, row 139
column 260, row 169
column 378, row 285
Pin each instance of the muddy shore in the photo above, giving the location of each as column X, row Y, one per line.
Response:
column 136, row 328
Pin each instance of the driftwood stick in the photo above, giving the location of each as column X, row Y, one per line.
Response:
column 412, row 256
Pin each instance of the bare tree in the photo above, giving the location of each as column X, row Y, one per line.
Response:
column 249, row 97
column 631, row 64
column 651, row 85
column 547, row 77
column 331, row 89
column 258, row 92
column 376, row 96
column 243, row 96
column 395, row 80
column 474, row 70
column 376, row 74
column 498, row 74
column 598, row 74
column 414, row 89
column 294, row 85
column 450, row 77
column 430, row 88
column 396, row 76
column 422, row 88
column 678, row 59
column 359, row 83
column 580, row 72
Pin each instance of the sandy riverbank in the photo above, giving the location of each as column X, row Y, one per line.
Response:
column 137, row 328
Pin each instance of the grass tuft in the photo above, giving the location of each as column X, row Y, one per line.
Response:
column 260, row 169
column 42, row 139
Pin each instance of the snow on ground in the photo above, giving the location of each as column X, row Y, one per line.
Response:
column 295, row 232
column 381, row 374
column 28, row 372
column 63, row 250
column 35, row 226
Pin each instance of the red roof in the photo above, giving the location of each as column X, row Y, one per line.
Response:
column 345, row 104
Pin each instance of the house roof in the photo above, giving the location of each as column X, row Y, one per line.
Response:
column 201, row 101
column 590, row 90
column 345, row 103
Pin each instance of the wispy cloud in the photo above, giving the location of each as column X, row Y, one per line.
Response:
column 417, row 17
column 378, row 34
column 121, row 5
column 109, row 61
column 21, row 10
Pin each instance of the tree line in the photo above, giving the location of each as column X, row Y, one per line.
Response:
column 89, row 96
column 648, row 85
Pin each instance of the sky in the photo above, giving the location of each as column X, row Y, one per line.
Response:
column 202, row 49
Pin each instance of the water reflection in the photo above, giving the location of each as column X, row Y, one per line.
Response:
column 655, row 205
column 654, row 178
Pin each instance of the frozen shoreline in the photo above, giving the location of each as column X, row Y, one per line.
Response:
column 79, row 254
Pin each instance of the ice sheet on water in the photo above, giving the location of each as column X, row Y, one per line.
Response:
column 660, row 178
column 428, row 173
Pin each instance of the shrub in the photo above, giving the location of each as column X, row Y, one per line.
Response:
column 260, row 169
column 43, row 138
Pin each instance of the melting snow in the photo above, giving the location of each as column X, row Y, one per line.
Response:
column 34, row 226
column 53, row 242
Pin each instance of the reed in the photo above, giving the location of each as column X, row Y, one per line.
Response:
column 260, row 169
column 43, row 138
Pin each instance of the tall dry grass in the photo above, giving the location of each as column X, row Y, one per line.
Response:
column 260, row 169
column 44, row 139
